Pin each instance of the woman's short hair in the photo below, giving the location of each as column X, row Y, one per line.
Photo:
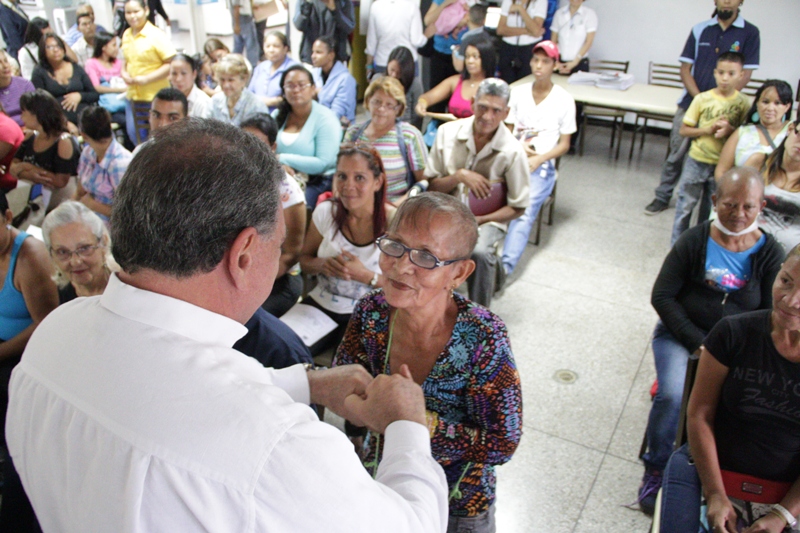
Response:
column 390, row 86
column 101, row 39
column 233, row 65
column 46, row 109
column 785, row 95
column 35, row 30
column 284, row 108
column 212, row 45
column 71, row 212
column 95, row 123
column 405, row 60
column 375, row 164
column 278, row 35
column 43, row 62
column 330, row 44
column 485, row 48
column 263, row 123
column 420, row 211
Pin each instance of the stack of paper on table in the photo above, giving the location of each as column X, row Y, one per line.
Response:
column 584, row 78
column 618, row 80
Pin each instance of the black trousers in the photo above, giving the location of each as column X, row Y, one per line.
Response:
column 515, row 61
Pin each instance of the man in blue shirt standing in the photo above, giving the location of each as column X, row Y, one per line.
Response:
column 726, row 31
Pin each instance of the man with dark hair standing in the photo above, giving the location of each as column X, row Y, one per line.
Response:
column 131, row 412
column 726, row 31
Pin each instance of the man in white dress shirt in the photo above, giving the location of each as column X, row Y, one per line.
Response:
column 131, row 412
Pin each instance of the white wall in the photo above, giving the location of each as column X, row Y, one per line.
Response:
column 656, row 30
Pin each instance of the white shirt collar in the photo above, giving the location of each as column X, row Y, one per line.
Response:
column 164, row 312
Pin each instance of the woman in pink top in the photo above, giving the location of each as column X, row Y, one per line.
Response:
column 104, row 69
column 479, row 64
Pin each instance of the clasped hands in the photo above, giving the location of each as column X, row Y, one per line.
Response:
column 721, row 129
column 346, row 266
column 722, row 518
column 352, row 393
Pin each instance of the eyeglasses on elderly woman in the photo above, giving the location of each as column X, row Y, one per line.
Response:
column 421, row 258
column 64, row 255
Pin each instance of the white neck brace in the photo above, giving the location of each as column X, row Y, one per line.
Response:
column 717, row 224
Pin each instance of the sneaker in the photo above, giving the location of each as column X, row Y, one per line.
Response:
column 501, row 274
column 655, row 207
column 648, row 490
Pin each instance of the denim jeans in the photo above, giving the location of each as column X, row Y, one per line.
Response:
column 317, row 185
column 680, row 494
column 481, row 281
column 483, row 523
column 543, row 179
column 671, row 359
column 697, row 185
column 671, row 171
column 247, row 40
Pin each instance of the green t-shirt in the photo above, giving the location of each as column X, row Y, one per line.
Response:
column 707, row 108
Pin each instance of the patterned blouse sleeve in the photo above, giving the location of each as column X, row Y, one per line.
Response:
column 492, row 427
column 351, row 351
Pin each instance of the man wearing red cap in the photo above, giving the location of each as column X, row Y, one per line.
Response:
column 543, row 119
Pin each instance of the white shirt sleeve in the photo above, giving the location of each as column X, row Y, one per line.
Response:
column 591, row 20
column 504, row 7
column 409, row 494
column 372, row 33
column 512, row 107
column 539, row 9
column 568, row 119
column 417, row 36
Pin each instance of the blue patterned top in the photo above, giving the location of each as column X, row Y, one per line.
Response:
column 473, row 395
column 101, row 179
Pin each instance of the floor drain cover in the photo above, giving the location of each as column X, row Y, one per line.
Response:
column 567, row 377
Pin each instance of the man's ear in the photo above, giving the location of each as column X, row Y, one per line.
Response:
column 240, row 257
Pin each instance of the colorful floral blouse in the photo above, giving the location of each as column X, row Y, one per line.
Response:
column 472, row 395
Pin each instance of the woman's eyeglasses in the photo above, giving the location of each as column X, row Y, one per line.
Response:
column 421, row 258
column 63, row 254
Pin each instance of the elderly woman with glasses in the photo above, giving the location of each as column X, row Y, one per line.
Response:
column 79, row 246
column 458, row 351
column 400, row 144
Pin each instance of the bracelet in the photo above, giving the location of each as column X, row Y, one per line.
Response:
column 784, row 513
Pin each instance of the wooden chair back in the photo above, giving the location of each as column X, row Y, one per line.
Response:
column 608, row 65
column 664, row 75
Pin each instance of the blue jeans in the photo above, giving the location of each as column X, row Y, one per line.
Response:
column 543, row 179
column 680, row 494
column 247, row 40
column 483, row 523
column 671, row 359
column 317, row 185
column 697, row 185
column 671, row 171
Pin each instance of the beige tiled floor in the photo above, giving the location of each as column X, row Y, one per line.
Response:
column 581, row 301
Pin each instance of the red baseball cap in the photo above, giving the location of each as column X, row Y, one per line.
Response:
column 549, row 48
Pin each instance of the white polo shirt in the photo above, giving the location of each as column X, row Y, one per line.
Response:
column 536, row 8
column 573, row 29
column 131, row 412
column 553, row 117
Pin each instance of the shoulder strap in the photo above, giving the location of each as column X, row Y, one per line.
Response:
column 360, row 130
column 760, row 127
column 401, row 142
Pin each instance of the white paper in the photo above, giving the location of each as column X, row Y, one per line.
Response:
column 308, row 322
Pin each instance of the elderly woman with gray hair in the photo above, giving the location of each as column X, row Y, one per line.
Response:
column 79, row 245
column 457, row 350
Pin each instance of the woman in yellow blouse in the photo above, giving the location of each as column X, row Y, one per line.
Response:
column 147, row 52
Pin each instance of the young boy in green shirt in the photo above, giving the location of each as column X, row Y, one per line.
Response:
column 711, row 118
